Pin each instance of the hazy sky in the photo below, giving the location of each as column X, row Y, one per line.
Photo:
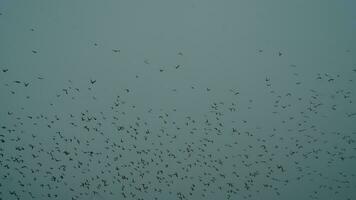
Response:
column 220, row 45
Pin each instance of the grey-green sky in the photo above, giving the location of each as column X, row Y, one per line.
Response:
column 280, row 72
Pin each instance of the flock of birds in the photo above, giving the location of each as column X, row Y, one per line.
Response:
column 126, row 151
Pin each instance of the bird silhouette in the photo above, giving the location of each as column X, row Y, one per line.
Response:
column 92, row 81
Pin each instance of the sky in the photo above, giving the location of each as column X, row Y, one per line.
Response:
column 260, row 57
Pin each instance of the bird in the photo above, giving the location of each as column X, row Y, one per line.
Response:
column 92, row 81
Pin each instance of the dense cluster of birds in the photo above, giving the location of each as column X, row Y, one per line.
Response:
column 132, row 153
column 126, row 151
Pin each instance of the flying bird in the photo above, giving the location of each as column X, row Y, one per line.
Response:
column 92, row 81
